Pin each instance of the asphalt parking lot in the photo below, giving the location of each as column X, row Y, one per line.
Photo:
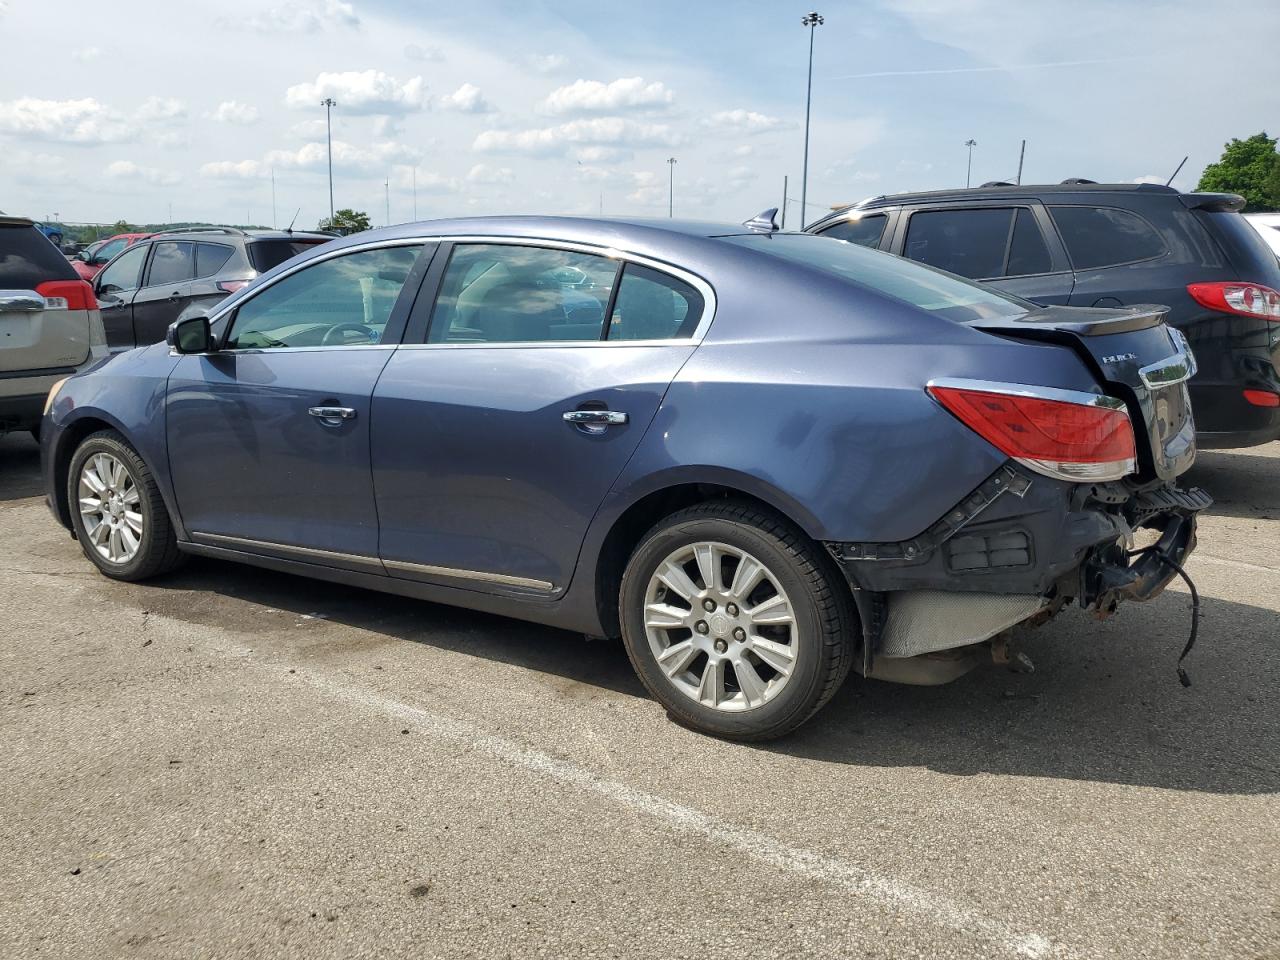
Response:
column 238, row 763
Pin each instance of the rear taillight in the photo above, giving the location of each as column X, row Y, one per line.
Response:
column 1246, row 299
column 231, row 286
column 67, row 295
column 1262, row 398
column 1073, row 436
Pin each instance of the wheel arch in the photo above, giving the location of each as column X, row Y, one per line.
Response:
column 630, row 522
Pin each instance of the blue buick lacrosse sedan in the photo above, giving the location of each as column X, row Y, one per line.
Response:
column 761, row 458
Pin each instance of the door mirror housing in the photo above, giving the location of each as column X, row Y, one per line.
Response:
column 191, row 335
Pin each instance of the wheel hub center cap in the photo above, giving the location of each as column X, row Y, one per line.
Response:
column 720, row 624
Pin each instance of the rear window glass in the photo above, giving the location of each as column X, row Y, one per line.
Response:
column 1105, row 236
column 27, row 259
column 864, row 231
column 912, row 283
column 265, row 254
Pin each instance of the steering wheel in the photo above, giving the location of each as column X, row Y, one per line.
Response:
column 334, row 335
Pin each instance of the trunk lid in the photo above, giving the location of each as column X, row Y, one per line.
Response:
column 1136, row 357
column 40, row 340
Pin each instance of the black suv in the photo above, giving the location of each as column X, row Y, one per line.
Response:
column 149, row 284
column 1108, row 245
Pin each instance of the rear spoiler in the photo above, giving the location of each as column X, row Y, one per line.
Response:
column 1213, row 202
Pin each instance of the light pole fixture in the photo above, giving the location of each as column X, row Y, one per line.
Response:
column 811, row 20
column 968, row 173
column 671, row 188
column 329, row 103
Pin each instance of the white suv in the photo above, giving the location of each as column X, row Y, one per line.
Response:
column 50, row 327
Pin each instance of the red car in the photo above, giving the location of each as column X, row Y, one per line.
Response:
column 91, row 260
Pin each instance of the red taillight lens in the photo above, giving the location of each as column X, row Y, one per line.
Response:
column 231, row 286
column 67, row 295
column 1083, row 441
column 1246, row 299
column 1262, row 398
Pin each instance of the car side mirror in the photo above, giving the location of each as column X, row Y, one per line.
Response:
column 191, row 335
column 81, row 256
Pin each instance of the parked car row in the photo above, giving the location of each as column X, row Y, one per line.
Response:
column 1109, row 245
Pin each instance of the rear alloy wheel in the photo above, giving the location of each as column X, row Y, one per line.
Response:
column 118, row 514
column 733, row 621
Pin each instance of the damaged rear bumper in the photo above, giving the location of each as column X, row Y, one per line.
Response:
column 1016, row 550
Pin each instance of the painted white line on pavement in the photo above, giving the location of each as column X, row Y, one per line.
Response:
column 685, row 819
column 1224, row 562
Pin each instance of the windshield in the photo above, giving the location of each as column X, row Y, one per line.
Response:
column 265, row 254
column 913, row 283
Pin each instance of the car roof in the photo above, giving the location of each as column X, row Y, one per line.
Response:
column 16, row 222
column 251, row 234
column 1008, row 192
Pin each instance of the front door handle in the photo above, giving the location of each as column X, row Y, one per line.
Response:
column 332, row 416
column 603, row 418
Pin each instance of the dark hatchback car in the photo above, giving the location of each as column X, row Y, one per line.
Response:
column 1108, row 245
column 759, row 457
column 151, row 284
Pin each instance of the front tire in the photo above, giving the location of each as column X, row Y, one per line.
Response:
column 119, row 516
column 735, row 621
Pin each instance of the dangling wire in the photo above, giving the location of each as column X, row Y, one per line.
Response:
column 1195, row 604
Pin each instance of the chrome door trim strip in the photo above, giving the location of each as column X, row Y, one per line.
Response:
column 454, row 573
column 238, row 543
column 364, row 560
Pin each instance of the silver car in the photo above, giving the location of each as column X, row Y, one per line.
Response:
column 50, row 327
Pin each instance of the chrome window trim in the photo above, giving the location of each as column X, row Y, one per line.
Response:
column 364, row 560
column 709, row 302
column 1030, row 390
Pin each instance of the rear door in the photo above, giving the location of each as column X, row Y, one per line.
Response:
column 1005, row 244
column 521, row 392
column 166, row 289
column 115, row 287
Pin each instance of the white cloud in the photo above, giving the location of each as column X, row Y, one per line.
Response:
column 128, row 170
column 548, row 62
column 610, row 131
column 730, row 122
column 309, row 129
column 1149, row 178
column 466, row 99
column 297, row 18
column 233, row 111
column 161, row 108
column 426, row 181
column 361, row 92
column 234, row 170
column 593, row 96
column 414, row 51
column 85, row 54
column 67, row 121
column 375, row 158
column 599, row 154
column 483, row 173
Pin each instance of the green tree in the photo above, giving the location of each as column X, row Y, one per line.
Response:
column 1250, row 168
column 346, row 221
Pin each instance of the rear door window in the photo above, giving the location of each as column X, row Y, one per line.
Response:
column 174, row 261
column 27, row 259
column 210, row 258
column 864, row 231
column 1105, row 236
column 970, row 243
column 1028, row 253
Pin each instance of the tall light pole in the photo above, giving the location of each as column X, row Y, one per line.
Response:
column 671, row 188
column 812, row 21
column 329, row 103
column 969, row 169
column 387, row 184
column 415, row 193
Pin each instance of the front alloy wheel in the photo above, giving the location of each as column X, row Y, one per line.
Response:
column 110, row 508
column 736, row 621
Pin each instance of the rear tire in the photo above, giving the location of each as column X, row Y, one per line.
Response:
column 735, row 621
column 119, row 517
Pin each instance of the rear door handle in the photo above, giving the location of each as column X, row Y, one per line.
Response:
column 332, row 415
column 603, row 418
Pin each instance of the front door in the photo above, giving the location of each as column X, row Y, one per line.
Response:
column 115, row 288
column 496, row 439
column 269, row 436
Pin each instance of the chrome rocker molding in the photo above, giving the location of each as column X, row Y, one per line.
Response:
column 362, row 561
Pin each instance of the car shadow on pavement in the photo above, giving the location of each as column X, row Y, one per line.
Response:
column 1104, row 704
column 1241, row 484
column 19, row 467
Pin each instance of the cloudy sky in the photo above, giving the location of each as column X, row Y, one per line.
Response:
column 142, row 110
